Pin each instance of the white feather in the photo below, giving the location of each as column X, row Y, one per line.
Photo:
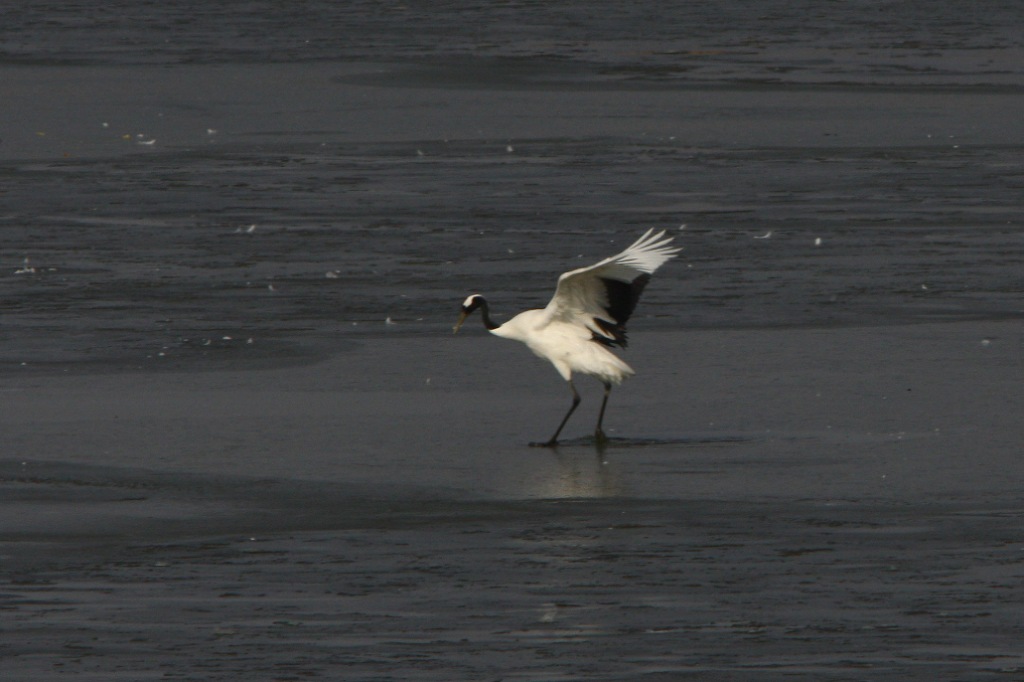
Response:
column 580, row 296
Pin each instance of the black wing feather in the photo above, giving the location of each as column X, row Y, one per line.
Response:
column 622, row 299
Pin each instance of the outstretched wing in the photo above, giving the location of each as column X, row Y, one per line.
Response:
column 603, row 296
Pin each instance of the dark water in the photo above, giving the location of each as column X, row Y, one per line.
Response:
column 393, row 157
column 817, row 469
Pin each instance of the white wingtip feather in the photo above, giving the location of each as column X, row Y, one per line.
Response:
column 649, row 252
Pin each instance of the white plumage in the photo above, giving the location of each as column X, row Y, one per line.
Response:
column 585, row 318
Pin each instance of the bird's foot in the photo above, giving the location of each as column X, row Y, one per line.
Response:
column 600, row 438
column 547, row 444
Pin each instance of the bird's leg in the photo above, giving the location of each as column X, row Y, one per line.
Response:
column 575, row 403
column 599, row 436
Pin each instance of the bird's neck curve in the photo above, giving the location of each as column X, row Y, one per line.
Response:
column 485, row 313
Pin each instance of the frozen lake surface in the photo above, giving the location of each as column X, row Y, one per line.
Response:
column 239, row 440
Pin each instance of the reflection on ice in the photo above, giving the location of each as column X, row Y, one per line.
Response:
column 587, row 468
column 583, row 473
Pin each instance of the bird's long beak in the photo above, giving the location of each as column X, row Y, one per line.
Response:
column 462, row 318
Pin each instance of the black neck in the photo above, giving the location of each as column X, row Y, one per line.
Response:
column 485, row 313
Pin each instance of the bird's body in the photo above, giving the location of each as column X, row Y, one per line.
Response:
column 569, row 347
column 585, row 318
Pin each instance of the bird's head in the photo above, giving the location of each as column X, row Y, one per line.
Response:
column 468, row 306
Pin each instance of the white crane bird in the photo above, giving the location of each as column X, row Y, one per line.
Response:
column 586, row 316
